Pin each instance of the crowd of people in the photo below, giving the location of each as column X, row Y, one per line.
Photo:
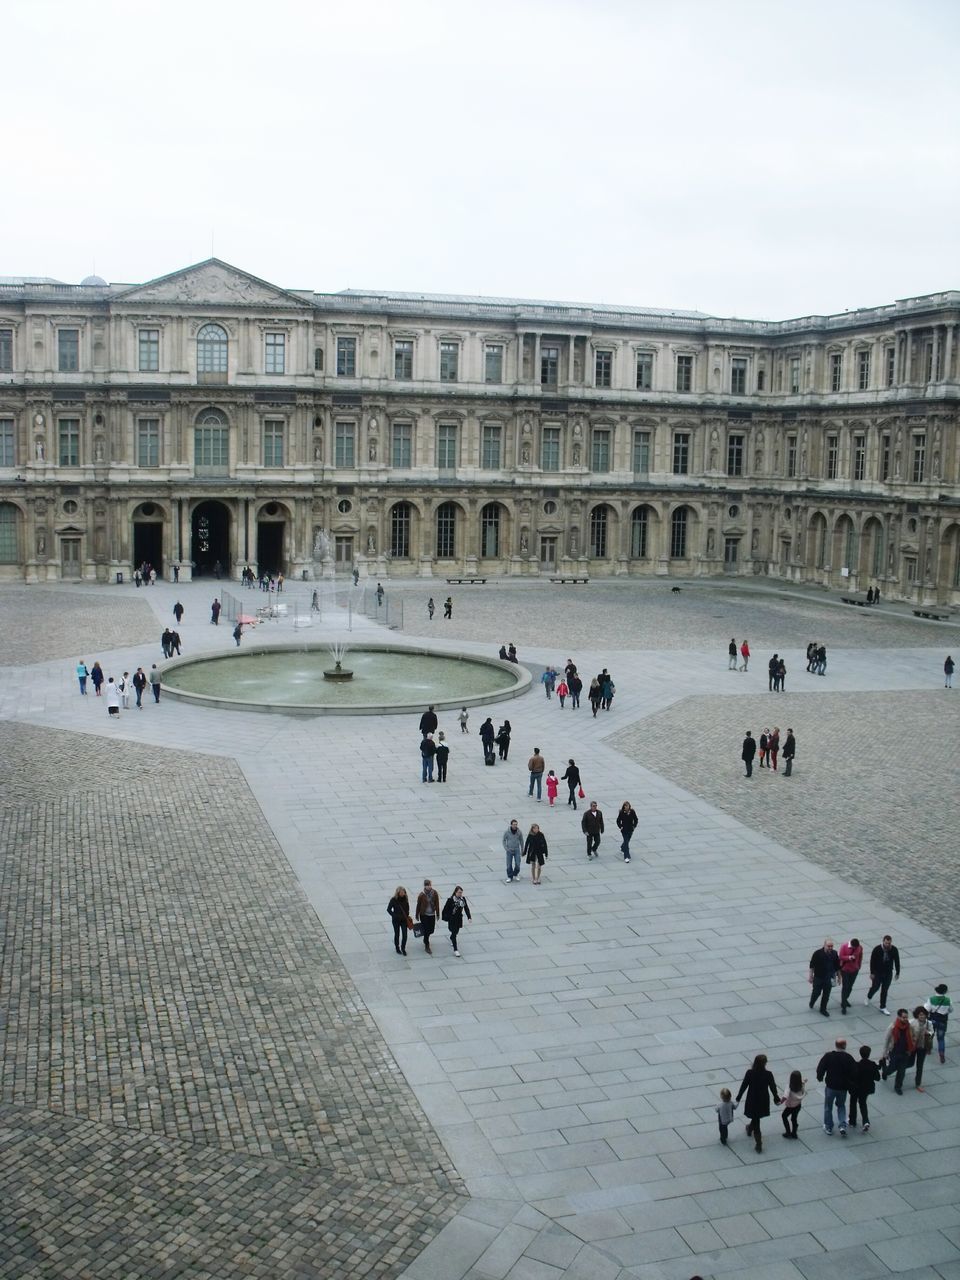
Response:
column 118, row 692
column 423, row 921
column 769, row 748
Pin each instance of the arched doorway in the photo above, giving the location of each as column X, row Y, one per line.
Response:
column 271, row 533
column 148, row 536
column 210, row 540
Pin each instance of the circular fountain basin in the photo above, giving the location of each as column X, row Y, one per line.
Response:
column 387, row 679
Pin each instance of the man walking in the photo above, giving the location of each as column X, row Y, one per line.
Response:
column 851, row 959
column 536, row 764
column 824, row 966
column 428, row 750
column 884, row 960
column 773, row 667
column 487, row 735
column 513, row 847
column 155, row 682
column 428, row 908
column 789, row 751
column 591, row 824
column 139, row 684
column 836, row 1070
column 747, row 752
column 178, row 612
column 732, row 654
column 448, row 607
column 428, row 721
column 215, row 612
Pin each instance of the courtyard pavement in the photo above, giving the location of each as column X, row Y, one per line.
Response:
column 213, row 1062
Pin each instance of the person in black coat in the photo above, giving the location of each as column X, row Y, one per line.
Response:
column 866, row 1073
column 428, row 722
column 758, row 1085
column 454, row 909
column 572, row 779
column 747, row 752
column 824, row 967
column 627, row 821
column 398, row 909
column 884, row 959
column 503, row 739
column 535, row 852
column 487, row 735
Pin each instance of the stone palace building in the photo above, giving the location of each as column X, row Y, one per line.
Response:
column 210, row 416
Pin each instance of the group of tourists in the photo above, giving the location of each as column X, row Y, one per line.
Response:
column 117, row 693
column 816, row 659
column 570, row 685
column 423, row 920
column 770, row 748
column 144, row 575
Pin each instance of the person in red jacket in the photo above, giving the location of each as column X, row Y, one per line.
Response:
column 851, row 959
column 745, row 655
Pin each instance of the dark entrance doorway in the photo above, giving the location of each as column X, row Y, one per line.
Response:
column 210, row 541
column 270, row 547
column 148, row 544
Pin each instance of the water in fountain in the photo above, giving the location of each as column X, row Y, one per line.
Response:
column 338, row 650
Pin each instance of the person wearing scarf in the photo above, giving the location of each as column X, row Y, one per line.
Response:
column 899, row 1048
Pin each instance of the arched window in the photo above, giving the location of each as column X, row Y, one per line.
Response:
column 639, row 529
column 446, row 531
column 678, row 534
column 212, row 349
column 490, row 530
column 598, row 533
column 8, row 533
column 211, row 444
column 400, row 531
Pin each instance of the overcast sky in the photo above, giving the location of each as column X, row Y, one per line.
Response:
column 742, row 157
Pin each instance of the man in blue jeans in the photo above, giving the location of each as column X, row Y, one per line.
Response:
column 513, row 847
column 836, row 1070
column 536, row 764
column 428, row 749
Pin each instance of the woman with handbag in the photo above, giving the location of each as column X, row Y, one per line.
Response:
column 572, row 779
column 899, row 1049
column 535, row 851
column 922, row 1029
column 398, row 909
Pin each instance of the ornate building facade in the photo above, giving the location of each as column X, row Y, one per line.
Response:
column 210, row 416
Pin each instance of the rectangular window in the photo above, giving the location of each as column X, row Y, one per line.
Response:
column 641, row 453
column 449, row 361
column 928, row 360
column 9, row 551
column 794, row 375
column 403, row 359
column 493, row 362
column 684, row 373
column 68, row 350
column 735, row 455
column 447, row 446
column 890, row 362
column 6, row 351
column 603, row 368
column 644, row 370
column 761, row 379
column 600, row 451
column 274, row 353
column 273, row 429
column 919, row 457
column 791, row 456
column 6, row 443
column 490, row 446
column 836, row 371
column 910, row 566
column 148, row 349
column 549, row 366
column 859, row 457
column 550, row 449
column 403, row 445
column 738, row 376
column 148, row 442
column 681, row 453
column 345, row 436
column 885, row 456
column 833, row 454
column 863, row 370
column 69, row 439
column 346, row 357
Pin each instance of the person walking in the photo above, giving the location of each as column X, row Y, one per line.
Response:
column 627, row 821
column 607, row 690
column 535, row 852
column 462, row 719
column 178, row 612
column 792, row 1102
column 851, row 961
column 824, row 967
column 940, row 1007
column 563, row 690
column 591, row 824
column 762, row 748
column 899, row 1049
column 572, row 779
column 431, row 608
column 865, row 1076
column 732, row 655
column 536, row 765
column 429, row 721
column 379, row 595
column 745, row 655
column 238, row 633
column 398, row 909
column 454, row 909
column 428, row 908
column 113, row 702
column 789, row 752
column 922, row 1029
column 835, row 1069
column 174, row 643
column 154, row 679
column 548, row 680
column 948, row 669
column 503, row 739
column 166, row 642
column 773, row 747
column 139, row 684
column 595, row 696
column 772, row 666
column 487, row 733
column 726, row 1109
column 884, row 964
column 448, row 607
column 96, row 676
column 552, row 783
column 123, row 684
column 576, row 688
column 513, row 847
column 780, row 684
column 442, row 756
column 428, row 751
column 759, row 1086
column 82, row 674
column 747, row 752
column 215, row 612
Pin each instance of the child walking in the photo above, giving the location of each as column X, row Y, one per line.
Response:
column 553, row 784
column 796, row 1091
column 463, row 717
column 726, row 1109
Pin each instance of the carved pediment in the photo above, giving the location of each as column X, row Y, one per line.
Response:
column 212, row 282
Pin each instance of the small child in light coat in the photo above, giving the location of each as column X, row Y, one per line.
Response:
column 553, row 782
column 726, row 1108
column 792, row 1102
column 463, row 717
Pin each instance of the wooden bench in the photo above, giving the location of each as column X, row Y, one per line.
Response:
column 466, row 582
column 574, row 580
column 928, row 613
column 853, row 600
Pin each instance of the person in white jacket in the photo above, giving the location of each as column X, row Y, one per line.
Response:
column 113, row 698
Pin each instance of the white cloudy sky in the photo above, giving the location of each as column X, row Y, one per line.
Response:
column 742, row 157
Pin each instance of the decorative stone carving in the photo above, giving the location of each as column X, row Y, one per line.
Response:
column 371, row 544
column 40, row 449
column 210, row 283
column 524, row 543
column 710, row 542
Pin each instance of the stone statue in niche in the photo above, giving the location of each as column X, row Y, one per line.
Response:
column 896, row 465
column 758, row 460
column 576, row 454
column 372, row 449
column 524, row 543
column 371, row 544
column 318, row 448
column 710, row 542
column 713, row 459
column 936, row 465
column 525, row 455
column 755, row 540
column 573, row 543
column 41, row 543
column 40, row 452
column 98, row 449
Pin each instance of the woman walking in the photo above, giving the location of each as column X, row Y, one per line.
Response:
column 503, row 740
column 922, row 1029
column 898, row 1049
column 572, row 779
column 96, row 675
column 398, row 909
column 453, row 912
column 82, row 674
column 759, row 1085
column 535, row 851
column 595, row 696
column 627, row 821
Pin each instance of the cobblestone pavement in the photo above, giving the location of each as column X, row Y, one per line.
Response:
column 869, row 799
column 187, row 1077
column 43, row 622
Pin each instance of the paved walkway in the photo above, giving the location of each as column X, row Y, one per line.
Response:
column 564, row 1071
